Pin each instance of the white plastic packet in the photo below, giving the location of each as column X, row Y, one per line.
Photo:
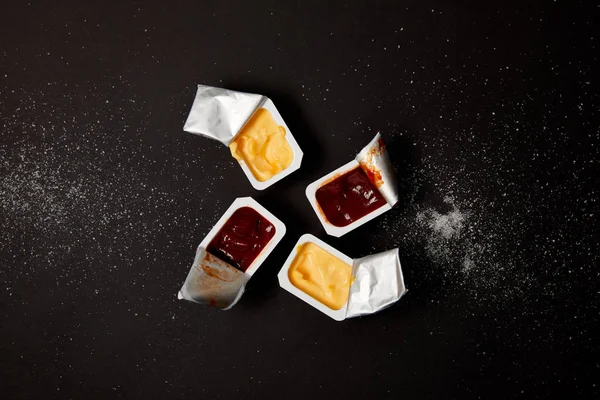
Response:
column 220, row 114
column 377, row 281
column 375, row 161
column 215, row 282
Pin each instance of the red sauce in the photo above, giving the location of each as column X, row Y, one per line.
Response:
column 348, row 198
column 242, row 238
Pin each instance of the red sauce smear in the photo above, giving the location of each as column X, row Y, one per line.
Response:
column 367, row 163
column 374, row 175
column 242, row 238
column 349, row 197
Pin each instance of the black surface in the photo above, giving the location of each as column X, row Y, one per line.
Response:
column 489, row 110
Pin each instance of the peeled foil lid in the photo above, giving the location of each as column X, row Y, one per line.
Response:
column 220, row 113
column 375, row 161
column 378, row 283
column 213, row 281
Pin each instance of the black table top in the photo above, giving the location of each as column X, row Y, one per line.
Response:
column 489, row 111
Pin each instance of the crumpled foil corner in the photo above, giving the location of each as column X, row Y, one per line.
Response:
column 378, row 283
column 375, row 161
column 221, row 113
column 213, row 281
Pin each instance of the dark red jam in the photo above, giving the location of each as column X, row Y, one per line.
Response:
column 242, row 238
column 349, row 197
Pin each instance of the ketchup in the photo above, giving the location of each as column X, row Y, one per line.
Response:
column 242, row 238
column 349, row 197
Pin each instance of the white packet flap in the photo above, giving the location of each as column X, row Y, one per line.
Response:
column 214, row 282
column 375, row 161
column 378, row 283
column 220, row 113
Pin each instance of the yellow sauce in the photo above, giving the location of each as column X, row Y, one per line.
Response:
column 321, row 275
column 262, row 145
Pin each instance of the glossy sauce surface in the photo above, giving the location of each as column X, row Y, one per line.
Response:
column 242, row 238
column 262, row 145
column 321, row 275
column 348, row 198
